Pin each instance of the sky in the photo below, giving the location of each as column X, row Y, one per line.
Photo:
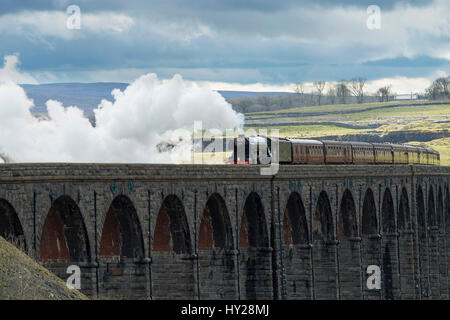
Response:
column 256, row 45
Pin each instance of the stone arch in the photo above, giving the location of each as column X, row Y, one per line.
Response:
column 294, row 221
column 121, row 250
column 403, row 217
column 255, row 256
column 10, row 226
column 388, row 280
column 297, row 252
column 324, row 250
column 421, row 219
column 440, row 208
column 442, row 247
column 388, row 212
column 370, row 240
column 122, row 233
column 172, row 229
column 390, row 247
column 348, row 224
column 447, row 206
column 323, row 219
column 423, row 243
column 349, row 248
column 369, row 225
column 253, row 231
column 172, row 261
column 215, row 225
column 431, row 212
column 446, row 223
column 433, row 245
column 446, row 213
column 407, row 247
column 64, row 236
column 215, row 244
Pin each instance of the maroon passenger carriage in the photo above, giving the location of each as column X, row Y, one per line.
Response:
column 256, row 150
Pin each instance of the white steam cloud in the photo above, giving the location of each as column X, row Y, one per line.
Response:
column 10, row 72
column 151, row 121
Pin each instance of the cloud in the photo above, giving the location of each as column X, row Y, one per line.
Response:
column 228, row 41
column 400, row 85
column 36, row 26
column 206, row 5
column 10, row 73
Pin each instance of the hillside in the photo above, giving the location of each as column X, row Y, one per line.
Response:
column 21, row 278
column 87, row 96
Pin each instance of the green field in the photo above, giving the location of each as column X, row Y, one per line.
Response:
column 345, row 107
column 421, row 118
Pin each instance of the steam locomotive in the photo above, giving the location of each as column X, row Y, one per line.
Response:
column 259, row 150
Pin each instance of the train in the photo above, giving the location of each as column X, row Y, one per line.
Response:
column 258, row 150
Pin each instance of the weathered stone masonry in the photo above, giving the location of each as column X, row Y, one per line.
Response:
column 227, row 232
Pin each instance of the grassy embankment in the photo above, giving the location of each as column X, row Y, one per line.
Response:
column 21, row 278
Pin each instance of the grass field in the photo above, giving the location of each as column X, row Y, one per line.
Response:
column 343, row 107
column 362, row 115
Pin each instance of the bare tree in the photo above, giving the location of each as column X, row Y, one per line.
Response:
column 319, row 86
column 384, row 93
column 264, row 100
column 4, row 158
column 299, row 89
column 357, row 88
column 439, row 89
column 342, row 91
column 331, row 93
column 242, row 104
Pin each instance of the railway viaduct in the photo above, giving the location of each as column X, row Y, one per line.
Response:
column 227, row 232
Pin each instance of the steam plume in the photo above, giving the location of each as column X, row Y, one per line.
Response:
column 146, row 115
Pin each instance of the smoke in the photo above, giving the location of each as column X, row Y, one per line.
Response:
column 10, row 72
column 147, row 115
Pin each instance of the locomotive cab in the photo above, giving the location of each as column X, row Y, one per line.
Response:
column 251, row 150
